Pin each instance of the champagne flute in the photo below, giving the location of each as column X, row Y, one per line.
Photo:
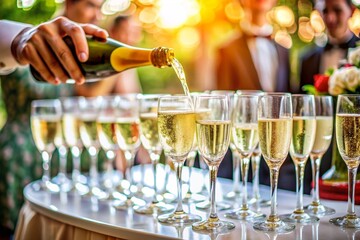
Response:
column 127, row 132
column 245, row 137
column 235, row 193
column 106, row 121
column 303, row 136
column 150, row 140
column 176, row 125
column 324, row 131
column 347, row 127
column 213, row 136
column 89, row 109
column 61, row 178
column 46, row 130
column 275, row 127
column 71, row 130
column 255, row 164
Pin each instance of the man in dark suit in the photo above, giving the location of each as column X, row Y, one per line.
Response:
column 252, row 60
column 336, row 14
column 315, row 60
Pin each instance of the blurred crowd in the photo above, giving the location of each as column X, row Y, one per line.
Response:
column 250, row 59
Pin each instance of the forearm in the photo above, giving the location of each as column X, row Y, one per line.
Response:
column 8, row 32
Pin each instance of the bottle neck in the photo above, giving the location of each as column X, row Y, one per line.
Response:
column 162, row 57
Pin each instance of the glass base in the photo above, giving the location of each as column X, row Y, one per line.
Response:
column 319, row 210
column 193, row 198
column 205, row 205
column 348, row 221
column 233, row 195
column 63, row 182
column 167, row 197
column 128, row 203
column 277, row 226
column 213, row 226
column 299, row 217
column 261, row 202
column 244, row 214
column 46, row 186
column 178, row 218
column 154, row 208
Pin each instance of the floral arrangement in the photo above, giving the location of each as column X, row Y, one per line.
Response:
column 345, row 79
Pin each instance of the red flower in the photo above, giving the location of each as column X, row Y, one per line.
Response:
column 321, row 82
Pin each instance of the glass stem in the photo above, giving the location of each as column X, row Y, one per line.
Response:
column 236, row 171
column 154, row 159
column 110, row 155
column 130, row 157
column 244, row 167
column 351, row 192
column 213, row 174
column 46, row 166
column 299, row 170
column 274, row 174
column 75, row 151
column 93, row 152
column 315, row 166
column 190, row 163
column 178, row 170
column 255, row 161
column 62, row 161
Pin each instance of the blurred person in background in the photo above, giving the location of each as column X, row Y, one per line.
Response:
column 317, row 59
column 252, row 60
column 21, row 165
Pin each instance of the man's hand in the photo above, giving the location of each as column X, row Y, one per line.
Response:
column 43, row 47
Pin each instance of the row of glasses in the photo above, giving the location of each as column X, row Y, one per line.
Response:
column 151, row 142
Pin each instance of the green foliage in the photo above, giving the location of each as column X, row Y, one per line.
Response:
column 41, row 11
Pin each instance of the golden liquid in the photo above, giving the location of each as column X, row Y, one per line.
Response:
column 176, row 132
column 46, row 131
column 88, row 132
column 303, row 135
column 106, row 133
column 323, row 135
column 71, row 130
column 274, row 140
column 149, row 131
column 348, row 138
column 213, row 139
column 179, row 70
column 127, row 133
column 245, row 138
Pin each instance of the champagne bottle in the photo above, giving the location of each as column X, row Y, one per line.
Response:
column 109, row 57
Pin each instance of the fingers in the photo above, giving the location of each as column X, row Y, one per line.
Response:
column 49, row 59
column 32, row 55
column 93, row 30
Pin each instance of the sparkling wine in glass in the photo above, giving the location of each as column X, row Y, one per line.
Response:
column 302, row 141
column 213, row 132
column 150, row 140
column 323, row 135
column 176, row 125
column 347, row 128
column 46, row 130
column 275, row 128
column 245, row 137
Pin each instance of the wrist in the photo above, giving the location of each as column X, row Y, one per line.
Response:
column 18, row 44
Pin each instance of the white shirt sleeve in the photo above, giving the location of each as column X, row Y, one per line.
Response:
column 8, row 31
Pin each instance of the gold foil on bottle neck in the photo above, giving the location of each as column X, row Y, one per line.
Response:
column 162, row 57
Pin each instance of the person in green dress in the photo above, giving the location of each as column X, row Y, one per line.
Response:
column 19, row 158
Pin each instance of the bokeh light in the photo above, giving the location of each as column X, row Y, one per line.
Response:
column 284, row 16
column 188, row 37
